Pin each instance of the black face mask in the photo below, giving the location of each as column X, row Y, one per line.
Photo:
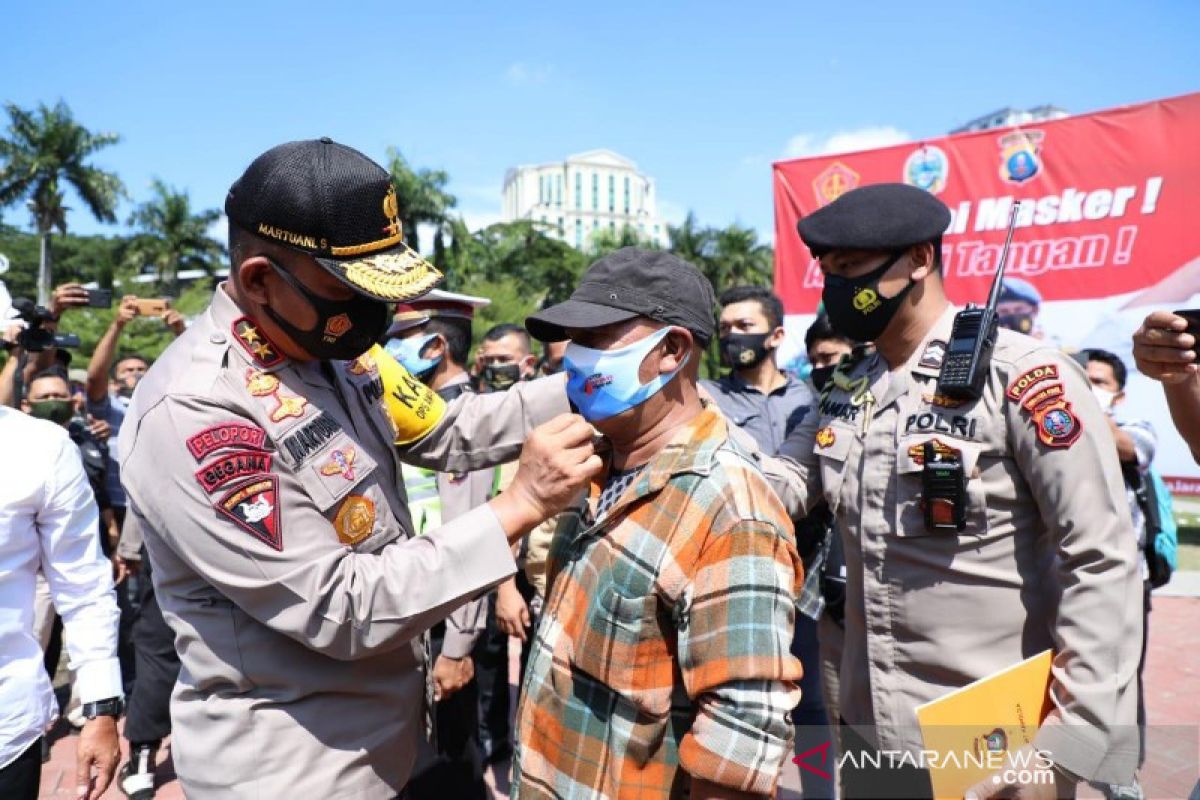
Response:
column 1021, row 323
column 743, row 350
column 499, row 377
column 855, row 306
column 345, row 328
column 821, row 375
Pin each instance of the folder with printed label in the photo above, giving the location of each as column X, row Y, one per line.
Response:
column 970, row 730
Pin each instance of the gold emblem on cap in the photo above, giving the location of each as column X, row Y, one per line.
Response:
column 391, row 210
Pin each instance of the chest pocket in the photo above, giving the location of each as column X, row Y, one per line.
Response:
column 339, row 477
column 618, row 639
column 832, row 447
column 910, row 465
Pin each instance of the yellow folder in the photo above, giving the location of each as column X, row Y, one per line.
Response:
column 971, row 729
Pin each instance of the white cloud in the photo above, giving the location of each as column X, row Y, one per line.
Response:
column 520, row 73
column 811, row 144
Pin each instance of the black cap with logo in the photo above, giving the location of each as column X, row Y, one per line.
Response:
column 882, row 216
column 629, row 283
column 333, row 203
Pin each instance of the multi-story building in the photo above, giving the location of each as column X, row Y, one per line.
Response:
column 1007, row 117
column 592, row 191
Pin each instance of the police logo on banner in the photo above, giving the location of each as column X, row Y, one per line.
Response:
column 1020, row 155
column 833, row 182
column 927, row 168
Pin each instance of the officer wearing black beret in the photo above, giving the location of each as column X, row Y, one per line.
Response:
column 1031, row 550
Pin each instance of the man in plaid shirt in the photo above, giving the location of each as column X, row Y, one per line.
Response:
column 661, row 667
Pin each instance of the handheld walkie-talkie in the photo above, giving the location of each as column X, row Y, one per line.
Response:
column 969, row 352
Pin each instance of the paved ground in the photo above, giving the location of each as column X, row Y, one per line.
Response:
column 1173, row 700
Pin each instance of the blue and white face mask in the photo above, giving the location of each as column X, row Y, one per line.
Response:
column 603, row 383
column 408, row 353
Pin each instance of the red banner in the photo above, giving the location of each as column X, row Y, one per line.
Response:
column 1115, row 198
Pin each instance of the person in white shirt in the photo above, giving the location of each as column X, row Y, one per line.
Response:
column 48, row 520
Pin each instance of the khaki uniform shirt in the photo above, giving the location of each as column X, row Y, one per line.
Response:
column 270, row 498
column 458, row 493
column 1047, row 559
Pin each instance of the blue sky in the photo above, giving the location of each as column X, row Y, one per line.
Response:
column 703, row 96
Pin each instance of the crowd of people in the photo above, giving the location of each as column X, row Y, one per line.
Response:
column 325, row 518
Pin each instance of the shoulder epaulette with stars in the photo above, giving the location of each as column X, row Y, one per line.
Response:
column 261, row 349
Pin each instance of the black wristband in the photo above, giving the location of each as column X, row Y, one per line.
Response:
column 109, row 707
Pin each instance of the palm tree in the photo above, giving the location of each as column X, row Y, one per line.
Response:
column 691, row 242
column 422, row 198
column 46, row 151
column 172, row 237
column 739, row 258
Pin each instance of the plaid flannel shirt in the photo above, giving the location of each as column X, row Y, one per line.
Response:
column 663, row 651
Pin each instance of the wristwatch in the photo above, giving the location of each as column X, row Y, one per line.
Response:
column 109, row 707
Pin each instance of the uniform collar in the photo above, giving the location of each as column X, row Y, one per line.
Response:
column 927, row 359
column 254, row 345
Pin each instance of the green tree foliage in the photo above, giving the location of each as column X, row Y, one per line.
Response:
column 46, row 151
column 172, row 237
column 78, row 259
column 422, row 199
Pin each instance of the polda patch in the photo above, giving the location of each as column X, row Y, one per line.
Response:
column 1057, row 425
column 1026, row 381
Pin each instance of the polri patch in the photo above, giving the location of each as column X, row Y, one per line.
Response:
column 254, row 506
column 1026, row 381
column 232, row 467
column 231, row 435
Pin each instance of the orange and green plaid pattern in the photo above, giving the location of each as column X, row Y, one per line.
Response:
column 663, row 650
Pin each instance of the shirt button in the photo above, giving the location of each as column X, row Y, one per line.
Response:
column 217, row 338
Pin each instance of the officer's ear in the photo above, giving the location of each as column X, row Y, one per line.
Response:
column 776, row 338
column 923, row 258
column 251, row 279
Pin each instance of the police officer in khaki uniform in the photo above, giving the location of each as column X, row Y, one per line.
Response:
column 1032, row 550
column 431, row 338
column 261, row 458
